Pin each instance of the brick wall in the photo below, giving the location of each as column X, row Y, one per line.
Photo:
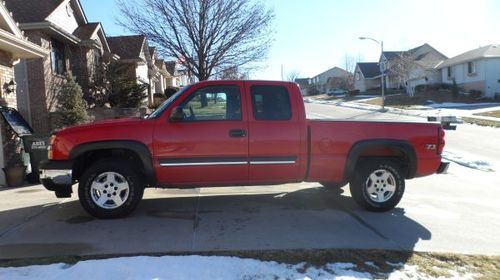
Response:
column 9, row 139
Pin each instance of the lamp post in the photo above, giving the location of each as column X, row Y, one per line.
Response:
column 382, row 70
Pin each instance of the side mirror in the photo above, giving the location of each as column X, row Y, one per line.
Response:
column 177, row 114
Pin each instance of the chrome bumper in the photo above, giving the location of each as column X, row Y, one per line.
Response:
column 60, row 177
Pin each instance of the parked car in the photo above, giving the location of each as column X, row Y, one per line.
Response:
column 336, row 92
column 226, row 133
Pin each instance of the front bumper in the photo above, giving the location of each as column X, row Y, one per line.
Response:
column 443, row 167
column 57, row 176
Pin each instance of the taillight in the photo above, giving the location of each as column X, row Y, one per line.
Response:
column 441, row 141
column 50, row 155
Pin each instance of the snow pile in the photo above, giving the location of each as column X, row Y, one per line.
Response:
column 197, row 267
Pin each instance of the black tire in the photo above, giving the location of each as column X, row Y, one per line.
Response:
column 375, row 195
column 122, row 172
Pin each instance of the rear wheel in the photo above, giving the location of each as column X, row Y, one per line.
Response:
column 377, row 185
column 110, row 189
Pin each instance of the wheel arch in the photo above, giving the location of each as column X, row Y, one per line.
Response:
column 92, row 151
column 382, row 148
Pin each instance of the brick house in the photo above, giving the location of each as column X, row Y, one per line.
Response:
column 13, row 47
column 159, row 76
column 75, row 46
column 136, row 58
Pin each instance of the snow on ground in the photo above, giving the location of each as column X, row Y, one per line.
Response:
column 199, row 267
column 469, row 161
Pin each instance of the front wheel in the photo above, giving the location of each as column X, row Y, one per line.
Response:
column 377, row 185
column 110, row 189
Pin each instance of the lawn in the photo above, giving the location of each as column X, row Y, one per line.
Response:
column 495, row 114
column 404, row 101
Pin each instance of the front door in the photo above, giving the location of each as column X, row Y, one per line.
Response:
column 210, row 145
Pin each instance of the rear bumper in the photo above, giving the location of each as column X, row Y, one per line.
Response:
column 57, row 176
column 443, row 167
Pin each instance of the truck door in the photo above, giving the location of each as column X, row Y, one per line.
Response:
column 210, row 144
column 275, row 131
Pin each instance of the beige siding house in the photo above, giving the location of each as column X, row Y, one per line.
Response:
column 478, row 69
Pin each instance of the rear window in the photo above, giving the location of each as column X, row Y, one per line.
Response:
column 271, row 103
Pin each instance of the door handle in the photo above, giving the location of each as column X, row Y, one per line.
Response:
column 235, row 133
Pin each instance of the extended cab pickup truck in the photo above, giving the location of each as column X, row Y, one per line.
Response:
column 226, row 133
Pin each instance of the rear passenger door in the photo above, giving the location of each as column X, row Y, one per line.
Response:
column 274, row 134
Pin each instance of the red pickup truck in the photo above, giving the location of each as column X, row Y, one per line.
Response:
column 227, row 133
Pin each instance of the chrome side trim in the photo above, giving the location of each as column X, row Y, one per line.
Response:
column 271, row 162
column 58, row 176
column 204, row 163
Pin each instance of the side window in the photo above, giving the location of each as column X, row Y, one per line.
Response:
column 271, row 103
column 213, row 103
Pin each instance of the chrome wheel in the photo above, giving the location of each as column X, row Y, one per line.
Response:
column 380, row 185
column 109, row 190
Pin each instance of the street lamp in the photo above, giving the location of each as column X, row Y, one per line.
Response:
column 382, row 70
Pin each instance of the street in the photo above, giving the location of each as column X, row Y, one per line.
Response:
column 454, row 212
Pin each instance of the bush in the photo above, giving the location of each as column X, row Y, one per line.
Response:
column 475, row 94
column 128, row 95
column 71, row 108
column 312, row 91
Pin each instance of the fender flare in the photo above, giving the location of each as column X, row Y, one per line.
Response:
column 403, row 146
column 140, row 149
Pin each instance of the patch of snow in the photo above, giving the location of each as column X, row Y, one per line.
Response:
column 200, row 267
column 468, row 162
column 460, row 105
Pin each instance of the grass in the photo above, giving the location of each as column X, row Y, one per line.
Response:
column 481, row 122
column 384, row 261
column 495, row 114
column 404, row 101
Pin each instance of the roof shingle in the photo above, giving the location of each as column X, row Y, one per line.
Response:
column 369, row 69
column 24, row 11
column 127, row 47
column 84, row 32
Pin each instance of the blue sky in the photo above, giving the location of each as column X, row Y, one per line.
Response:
column 315, row 35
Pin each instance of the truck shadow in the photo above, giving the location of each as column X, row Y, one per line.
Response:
column 308, row 219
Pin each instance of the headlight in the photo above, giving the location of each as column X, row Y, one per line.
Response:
column 49, row 148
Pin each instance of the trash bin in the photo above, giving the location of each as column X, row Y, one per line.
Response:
column 36, row 146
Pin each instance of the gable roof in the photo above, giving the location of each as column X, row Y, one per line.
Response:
column 489, row 51
column 85, row 32
column 25, row 11
column 170, row 67
column 127, row 47
column 391, row 54
column 369, row 69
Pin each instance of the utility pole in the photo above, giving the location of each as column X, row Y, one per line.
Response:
column 382, row 68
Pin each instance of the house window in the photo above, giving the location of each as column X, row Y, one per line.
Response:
column 471, row 67
column 358, row 76
column 58, row 58
column 449, row 71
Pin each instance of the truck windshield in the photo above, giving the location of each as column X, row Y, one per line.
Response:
column 167, row 103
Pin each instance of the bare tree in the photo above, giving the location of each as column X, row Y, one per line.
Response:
column 349, row 63
column 232, row 73
column 400, row 67
column 206, row 34
column 292, row 75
